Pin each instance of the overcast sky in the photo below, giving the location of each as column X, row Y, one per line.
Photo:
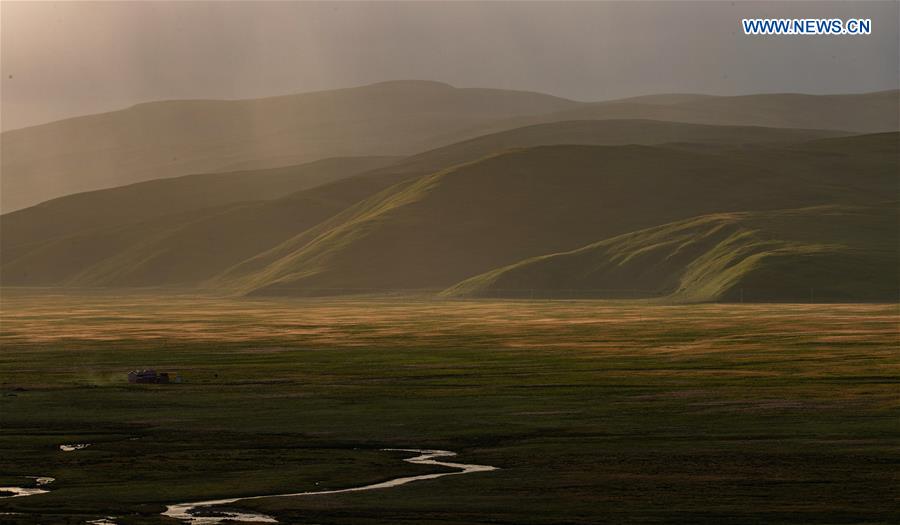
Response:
column 73, row 58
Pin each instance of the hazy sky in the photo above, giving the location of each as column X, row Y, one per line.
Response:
column 73, row 58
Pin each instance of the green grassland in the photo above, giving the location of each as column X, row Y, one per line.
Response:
column 595, row 411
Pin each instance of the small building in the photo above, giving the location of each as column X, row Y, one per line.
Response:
column 148, row 376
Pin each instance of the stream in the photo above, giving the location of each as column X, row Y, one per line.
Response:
column 16, row 492
column 199, row 513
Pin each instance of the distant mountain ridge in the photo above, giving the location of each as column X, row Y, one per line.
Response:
column 172, row 138
column 861, row 113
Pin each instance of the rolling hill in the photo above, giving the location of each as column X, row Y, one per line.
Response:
column 180, row 137
column 134, row 240
column 607, row 132
column 24, row 230
column 825, row 253
column 172, row 138
column 862, row 113
column 437, row 230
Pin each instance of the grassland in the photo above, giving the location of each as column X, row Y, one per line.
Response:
column 596, row 412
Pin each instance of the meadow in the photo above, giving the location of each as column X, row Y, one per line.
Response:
column 594, row 411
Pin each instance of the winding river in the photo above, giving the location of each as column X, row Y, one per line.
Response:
column 74, row 446
column 193, row 513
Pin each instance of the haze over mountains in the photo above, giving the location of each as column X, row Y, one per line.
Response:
column 173, row 138
column 181, row 137
column 862, row 113
column 407, row 186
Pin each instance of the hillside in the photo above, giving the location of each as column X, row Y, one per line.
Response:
column 133, row 242
column 609, row 132
column 171, row 138
column 443, row 228
column 827, row 253
column 27, row 229
column 862, row 113
column 177, row 248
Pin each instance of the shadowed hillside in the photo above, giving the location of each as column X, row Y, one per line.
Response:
column 140, row 202
column 827, row 253
column 177, row 248
column 130, row 240
column 611, row 132
column 452, row 225
column 170, row 138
